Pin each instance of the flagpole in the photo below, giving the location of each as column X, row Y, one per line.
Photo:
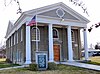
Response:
column 36, row 35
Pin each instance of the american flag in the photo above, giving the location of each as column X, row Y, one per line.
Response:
column 32, row 22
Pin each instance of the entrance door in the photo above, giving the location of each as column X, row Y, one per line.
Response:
column 56, row 49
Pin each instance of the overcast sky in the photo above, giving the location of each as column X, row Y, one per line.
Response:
column 9, row 13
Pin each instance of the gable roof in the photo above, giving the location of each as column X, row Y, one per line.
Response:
column 10, row 26
column 42, row 10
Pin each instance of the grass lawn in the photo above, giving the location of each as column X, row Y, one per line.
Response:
column 94, row 60
column 4, row 64
column 62, row 69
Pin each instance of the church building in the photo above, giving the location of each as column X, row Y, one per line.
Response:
column 56, row 32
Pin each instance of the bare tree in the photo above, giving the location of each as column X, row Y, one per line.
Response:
column 3, row 51
column 94, row 26
column 19, row 10
column 81, row 4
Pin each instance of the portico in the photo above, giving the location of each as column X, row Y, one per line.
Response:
column 51, row 44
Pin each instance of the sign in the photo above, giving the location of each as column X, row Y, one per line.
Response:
column 41, row 60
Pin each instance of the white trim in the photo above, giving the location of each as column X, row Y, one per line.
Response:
column 51, row 53
column 42, row 9
column 85, row 44
column 28, row 45
column 38, row 30
column 57, row 12
column 46, row 19
column 70, row 50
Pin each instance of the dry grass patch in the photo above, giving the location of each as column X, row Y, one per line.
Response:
column 2, row 59
column 95, row 59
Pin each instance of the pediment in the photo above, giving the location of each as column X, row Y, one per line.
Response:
column 51, row 11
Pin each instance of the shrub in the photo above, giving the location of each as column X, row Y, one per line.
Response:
column 33, row 67
column 8, row 60
column 52, row 66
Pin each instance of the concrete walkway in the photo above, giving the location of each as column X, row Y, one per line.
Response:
column 83, row 65
column 13, row 67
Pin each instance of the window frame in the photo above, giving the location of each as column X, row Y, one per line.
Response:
column 21, row 39
column 11, row 40
column 17, row 36
column 56, row 32
column 35, row 34
column 72, row 36
column 14, row 38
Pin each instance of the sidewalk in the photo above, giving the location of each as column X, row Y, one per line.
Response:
column 83, row 65
column 13, row 67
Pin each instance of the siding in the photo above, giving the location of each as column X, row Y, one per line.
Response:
column 16, row 52
column 20, row 47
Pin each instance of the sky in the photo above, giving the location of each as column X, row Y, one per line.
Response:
column 9, row 13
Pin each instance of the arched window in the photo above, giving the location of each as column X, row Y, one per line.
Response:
column 33, row 34
column 73, row 37
column 55, row 34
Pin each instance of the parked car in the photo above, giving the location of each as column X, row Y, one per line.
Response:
column 91, row 53
column 96, row 54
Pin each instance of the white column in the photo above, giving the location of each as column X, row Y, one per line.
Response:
column 51, row 53
column 85, row 44
column 28, row 45
column 70, row 51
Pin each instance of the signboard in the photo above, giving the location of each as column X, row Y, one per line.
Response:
column 41, row 60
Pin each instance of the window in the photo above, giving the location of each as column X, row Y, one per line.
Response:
column 33, row 34
column 55, row 34
column 21, row 34
column 72, row 33
column 14, row 39
column 17, row 37
column 11, row 40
